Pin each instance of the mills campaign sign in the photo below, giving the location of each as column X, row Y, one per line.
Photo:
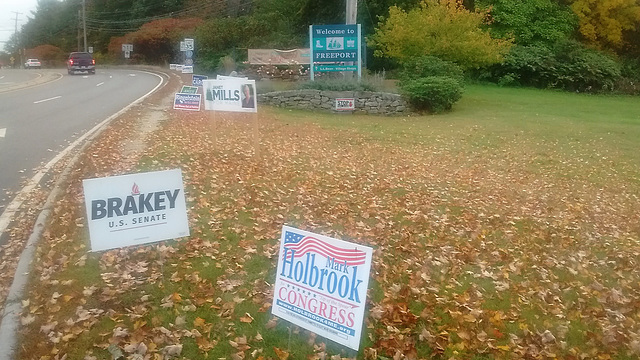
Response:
column 321, row 285
column 230, row 94
column 135, row 209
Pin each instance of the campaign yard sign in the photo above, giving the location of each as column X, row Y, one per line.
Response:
column 321, row 285
column 196, row 80
column 223, row 77
column 186, row 101
column 230, row 94
column 135, row 209
column 187, row 69
column 186, row 89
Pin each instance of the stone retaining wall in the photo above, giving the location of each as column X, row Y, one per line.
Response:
column 366, row 101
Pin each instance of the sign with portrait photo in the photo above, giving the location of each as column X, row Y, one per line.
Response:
column 230, row 94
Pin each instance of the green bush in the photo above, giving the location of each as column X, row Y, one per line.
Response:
column 567, row 65
column 431, row 84
column 426, row 66
column 338, row 85
column 433, row 93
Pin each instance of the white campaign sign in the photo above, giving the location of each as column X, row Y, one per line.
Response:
column 135, row 209
column 321, row 285
column 230, row 94
column 222, row 77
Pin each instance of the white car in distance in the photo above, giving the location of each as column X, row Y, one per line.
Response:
column 32, row 64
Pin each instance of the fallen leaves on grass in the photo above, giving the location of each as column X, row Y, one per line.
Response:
column 480, row 250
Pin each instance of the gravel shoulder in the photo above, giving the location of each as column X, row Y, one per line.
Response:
column 125, row 137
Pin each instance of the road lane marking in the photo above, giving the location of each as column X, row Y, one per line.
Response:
column 11, row 315
column 3, row 132
column 10, row 210
column 132, row 74
column 99, row 84
column 49, row 99
column 1, row 77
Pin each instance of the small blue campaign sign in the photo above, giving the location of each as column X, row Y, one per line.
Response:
column 187, row 102
column 197, row 79
column 321, row 285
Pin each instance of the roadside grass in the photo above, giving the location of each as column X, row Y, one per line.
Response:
column 505, row 229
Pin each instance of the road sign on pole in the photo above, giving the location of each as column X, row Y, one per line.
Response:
column 189, row 44
column 335, row 46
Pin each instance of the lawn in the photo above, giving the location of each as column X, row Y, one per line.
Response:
column 508, row 228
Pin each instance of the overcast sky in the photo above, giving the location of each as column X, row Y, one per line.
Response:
column 8, row 17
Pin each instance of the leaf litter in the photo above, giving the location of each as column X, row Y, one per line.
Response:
column 479, row 251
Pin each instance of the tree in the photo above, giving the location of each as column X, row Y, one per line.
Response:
column 530, row 22
column 53, row 22
column 603, row 23
column 47, row 54
column 445, row 29
column 156, row 41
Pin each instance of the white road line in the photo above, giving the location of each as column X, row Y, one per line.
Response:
column 14, row 205
column 132, row 74
column 3, row 132
column 49, row 99
column 100, row 84
column 1, row 77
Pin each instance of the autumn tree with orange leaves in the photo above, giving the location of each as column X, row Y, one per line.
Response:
column 603, row 23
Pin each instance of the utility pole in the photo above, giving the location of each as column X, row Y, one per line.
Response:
column 79, row 28
column 17, row 38
column 84, row 25
column 352, row 11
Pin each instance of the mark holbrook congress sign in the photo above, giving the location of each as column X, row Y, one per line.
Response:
column 135, row 209
column 230, row 94
column 321, row 285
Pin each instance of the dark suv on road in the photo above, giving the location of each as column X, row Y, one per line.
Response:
column 81, row 61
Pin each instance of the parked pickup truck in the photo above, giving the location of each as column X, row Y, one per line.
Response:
column 81, row 61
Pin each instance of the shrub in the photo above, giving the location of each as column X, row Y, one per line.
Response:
column 629, row 83
column 431, row 83
column 338, row 85
column 433, row 93
column 567, row 65
column 426, row 66
column 442, row 28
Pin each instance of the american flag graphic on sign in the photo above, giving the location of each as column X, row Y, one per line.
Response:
column 301, row 245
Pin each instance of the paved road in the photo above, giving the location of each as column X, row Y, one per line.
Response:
column 10, row 78
column 38, row 122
